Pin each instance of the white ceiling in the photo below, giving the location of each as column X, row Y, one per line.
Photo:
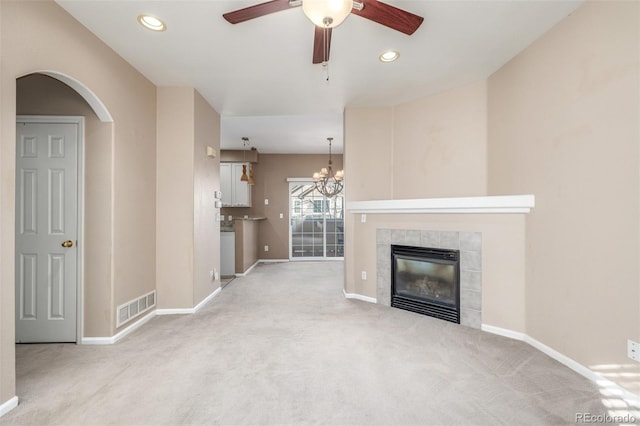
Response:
column 258, row 74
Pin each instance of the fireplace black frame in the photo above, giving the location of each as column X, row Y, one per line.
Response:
column 445, row 311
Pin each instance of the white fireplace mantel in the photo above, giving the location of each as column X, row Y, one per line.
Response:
column 488, row 204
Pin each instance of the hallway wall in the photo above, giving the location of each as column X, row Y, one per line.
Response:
column 39, row 35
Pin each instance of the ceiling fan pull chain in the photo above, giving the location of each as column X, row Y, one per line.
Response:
column 325, row 63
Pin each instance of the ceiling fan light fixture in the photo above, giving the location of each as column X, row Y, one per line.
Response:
column 152, row 23
column 327, row 13
column 389, row 56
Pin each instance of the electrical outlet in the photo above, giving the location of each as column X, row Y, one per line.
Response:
column 363, row 274
column 363, row 218
column 266, row 248
column 216, row 275
column 633, row 350
column 281, row 215
column 211, row 275
column 266, row 201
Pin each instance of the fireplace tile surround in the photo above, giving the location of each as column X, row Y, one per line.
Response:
column 470, row 246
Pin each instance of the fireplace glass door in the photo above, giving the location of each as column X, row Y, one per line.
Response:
column 427, row 281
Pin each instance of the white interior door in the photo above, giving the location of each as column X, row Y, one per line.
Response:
column 46, row 231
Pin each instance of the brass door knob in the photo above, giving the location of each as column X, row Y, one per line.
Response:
column 67, row 244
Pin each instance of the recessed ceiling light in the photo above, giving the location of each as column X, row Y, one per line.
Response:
column 152, row 22
column 389, row 56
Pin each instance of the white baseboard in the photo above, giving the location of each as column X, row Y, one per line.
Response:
column 9, row 405
column 186, row 311
column 563, row 359
column 359, row 297
column 516, row 335
column 113, row 339
column 206, row 300
column 175, row 311
column 245, row 273
column 145, row 319
column 242, row 274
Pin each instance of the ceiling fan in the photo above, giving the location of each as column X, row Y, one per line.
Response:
column 327, row 14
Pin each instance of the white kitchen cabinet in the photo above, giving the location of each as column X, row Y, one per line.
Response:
column 235, row 193
column 225, row 184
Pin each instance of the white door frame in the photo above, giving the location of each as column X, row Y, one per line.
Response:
column 79, row 120
column 305, row 181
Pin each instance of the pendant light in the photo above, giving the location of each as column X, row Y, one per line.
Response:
column 244, row 177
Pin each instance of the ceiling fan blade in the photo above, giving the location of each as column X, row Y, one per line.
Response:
column 257, row 10
column 390, row 16
column 321, row 49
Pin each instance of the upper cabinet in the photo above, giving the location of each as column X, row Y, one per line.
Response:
column 225, row 184
column 235, row 193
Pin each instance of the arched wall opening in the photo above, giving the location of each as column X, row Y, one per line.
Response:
column 45, row 94
column 87, row 94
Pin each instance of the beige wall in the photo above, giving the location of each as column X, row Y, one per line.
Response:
column 561, row 122
column 206, row 180
column 271, row 175
column 39, row 35
column 440, row 145
column 38, row 94
column 188, row 235
column 175, row 203
column 240, row 156
column 432, row 147
column 368, row 169
column 563, row 125
column 7, row 230
column 247, row 237
column 368, row 153
column 503, row 246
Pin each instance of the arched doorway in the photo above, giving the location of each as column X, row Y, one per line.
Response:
column 49, row 93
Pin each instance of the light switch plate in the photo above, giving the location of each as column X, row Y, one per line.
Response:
column 633, row 350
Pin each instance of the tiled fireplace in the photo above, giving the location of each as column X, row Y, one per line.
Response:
column 468, row 243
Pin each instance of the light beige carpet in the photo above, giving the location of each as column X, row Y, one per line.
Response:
column 283, row 346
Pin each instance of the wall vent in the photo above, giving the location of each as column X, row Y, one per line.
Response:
column 134, row 308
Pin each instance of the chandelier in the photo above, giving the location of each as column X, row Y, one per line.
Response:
column 327, row 183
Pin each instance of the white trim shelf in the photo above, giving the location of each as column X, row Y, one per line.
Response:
column 488, row 204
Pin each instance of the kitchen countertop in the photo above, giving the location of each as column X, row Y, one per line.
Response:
column 231, row 227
